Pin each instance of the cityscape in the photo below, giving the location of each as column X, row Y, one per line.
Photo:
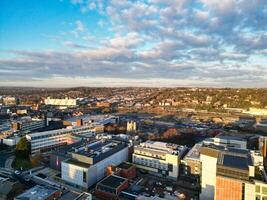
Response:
column 133, row 100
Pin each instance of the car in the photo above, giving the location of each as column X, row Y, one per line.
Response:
column 17, row 172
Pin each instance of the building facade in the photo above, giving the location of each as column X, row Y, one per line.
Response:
column 159, row 158
column 89, row 163
column 45, row 141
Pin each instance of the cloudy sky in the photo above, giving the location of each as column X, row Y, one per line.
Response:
column 65, row 43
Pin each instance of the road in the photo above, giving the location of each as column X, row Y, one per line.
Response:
column 4, row 156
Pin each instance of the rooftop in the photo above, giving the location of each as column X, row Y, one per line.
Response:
column 58, row 131
column 230, row 137
column 194, row 153
column 233, row 161
column 98, row 149
column 163, row 147
column 37, row 193
column 125, row 165
column 112, row 181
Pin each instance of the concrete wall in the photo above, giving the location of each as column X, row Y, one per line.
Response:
column 208, row 178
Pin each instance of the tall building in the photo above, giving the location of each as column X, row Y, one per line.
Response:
column 159, row 158
column 208, row 158
column 88, row 163
column 232, row 174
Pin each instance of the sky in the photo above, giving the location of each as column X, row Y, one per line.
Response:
column 117, row 43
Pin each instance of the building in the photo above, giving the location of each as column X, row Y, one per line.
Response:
column 131, row 126
column 28, row 124
column 256, row 111
column 11, row 140
column 92, row 120
column 125, row 170
column 40, row 193
column 88, row 163
column 191, row 161
column 111, row 187
column 232, row 174
column 64, row 103
column 159, row 158
column 9, row 188
column 47, row 140
column 263, row 146
column 228, row 141
column 208, row 158
column 9, row 101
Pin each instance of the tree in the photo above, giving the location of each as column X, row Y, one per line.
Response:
column 171, row 133
column 23, row 148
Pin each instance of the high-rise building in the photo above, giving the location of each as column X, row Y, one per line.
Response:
column 232, row 174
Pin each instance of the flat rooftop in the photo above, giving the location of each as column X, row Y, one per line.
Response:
column 58, row 131
column 37, row 193
column 112, row 181
column 98, row 148
column 162, row 147
column 93, row 118
column 231, row 137
column 125, row 165
column 194, row 153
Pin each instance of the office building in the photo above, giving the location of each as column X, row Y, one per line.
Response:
column 159, row 158
column 47, row 140
column 88, row 163
column 232, row 174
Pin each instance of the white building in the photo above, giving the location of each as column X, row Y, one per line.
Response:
column 208, row 158
column 228, row 141
column 88, row 163
column 61, row 102
column 159, row 158
column 47, row 140
column 11, row 141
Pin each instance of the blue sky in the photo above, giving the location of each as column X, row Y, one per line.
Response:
column 67, row 43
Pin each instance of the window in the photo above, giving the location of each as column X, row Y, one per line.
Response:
column 264, row 190
column 84, row 176
column 258, row 188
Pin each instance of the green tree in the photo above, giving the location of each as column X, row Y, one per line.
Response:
column 23, row 148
